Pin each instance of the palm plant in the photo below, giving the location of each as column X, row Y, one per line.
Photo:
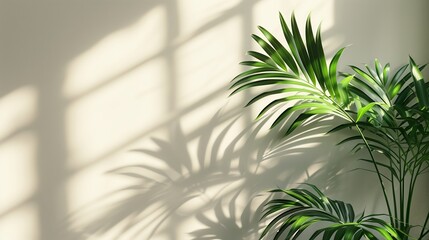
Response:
column 386, row 112
column 304, row 208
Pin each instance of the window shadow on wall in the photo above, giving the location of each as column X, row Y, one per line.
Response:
column 211, row 177
column 39, row 41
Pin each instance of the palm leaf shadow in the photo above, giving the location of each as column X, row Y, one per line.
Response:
column 228, row 168
column 169, row 179
column 227, row 225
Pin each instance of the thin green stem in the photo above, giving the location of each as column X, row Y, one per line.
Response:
column 395, row 204
column 424, row 227
column 394, row 201
column 378, row 173
column 402, row 206
column 403, row 156
column 413, row 180
column 402, row 194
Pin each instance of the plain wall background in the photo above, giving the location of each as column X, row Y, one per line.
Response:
column 116, row 121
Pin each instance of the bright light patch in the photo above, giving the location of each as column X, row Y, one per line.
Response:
column 201, row 15
column 17, row 110
column 21, row 224
column 18, row 180
column 116, row 55
column 110, row 119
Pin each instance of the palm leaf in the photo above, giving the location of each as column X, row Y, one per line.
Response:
column 302, row 208
column 389, row 111
column 421, row 90
column 296, row 73
column 284, row 54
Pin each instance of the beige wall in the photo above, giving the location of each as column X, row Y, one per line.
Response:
column 116, row 122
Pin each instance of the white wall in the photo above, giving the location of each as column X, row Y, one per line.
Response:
column 116, row 121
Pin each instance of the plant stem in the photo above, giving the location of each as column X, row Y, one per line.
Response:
column 402, row 195
column 379, row 175
column 377, row 171
column 424, row 227
column 395, row 203
column 413, row 180
column 394, row 198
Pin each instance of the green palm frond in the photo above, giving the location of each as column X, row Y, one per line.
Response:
column 374, row 92
column 298, row 72
column 302, row 208
column 388, row 112
column 382, row 98
column 396, row 105
column 397, row 111
column 420, row 87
